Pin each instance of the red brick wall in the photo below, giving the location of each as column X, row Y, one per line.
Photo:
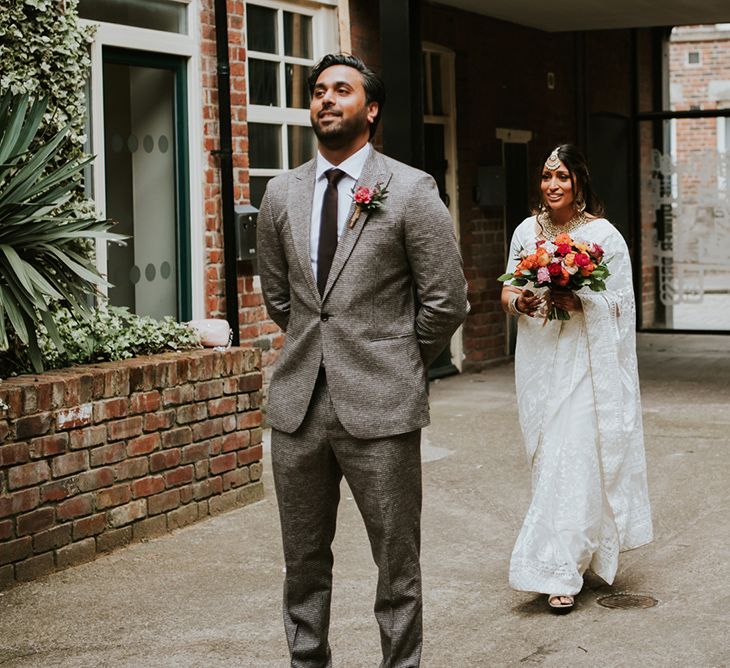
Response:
column 501, row 82
column 691, row 88
column 254, row 326
column 95, row 457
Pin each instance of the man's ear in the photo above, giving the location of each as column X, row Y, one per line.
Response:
column 373, row 109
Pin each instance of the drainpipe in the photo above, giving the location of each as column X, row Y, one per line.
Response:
column 225, row 156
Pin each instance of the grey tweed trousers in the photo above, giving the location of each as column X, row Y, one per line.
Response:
column 384, row 475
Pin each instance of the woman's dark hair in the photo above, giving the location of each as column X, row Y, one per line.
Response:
column 374, row 87
column 580, row 179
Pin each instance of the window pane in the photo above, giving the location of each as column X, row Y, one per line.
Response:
column 261, row 29
column 264, row 142
column 685, row 275
column 153, row 14
column 436, row 87
column 263, row 82
column 297, row 35
column 141, row 187
column 258, row 187
column 297, row 91
column 302, row 144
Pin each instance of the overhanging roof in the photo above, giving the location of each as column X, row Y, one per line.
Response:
column 598, row 14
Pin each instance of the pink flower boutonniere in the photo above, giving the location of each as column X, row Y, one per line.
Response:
column 367, row 199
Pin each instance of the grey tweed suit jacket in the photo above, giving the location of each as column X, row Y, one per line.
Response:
column 396, row 293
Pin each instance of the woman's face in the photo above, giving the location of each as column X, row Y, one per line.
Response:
column 557, row 188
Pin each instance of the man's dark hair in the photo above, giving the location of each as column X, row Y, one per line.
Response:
column 374, row 87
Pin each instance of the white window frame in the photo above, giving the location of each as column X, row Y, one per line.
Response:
column 324, row 40
column 699, row 58
column 163, row 42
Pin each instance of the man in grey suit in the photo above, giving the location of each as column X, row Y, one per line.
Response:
column 368, row 295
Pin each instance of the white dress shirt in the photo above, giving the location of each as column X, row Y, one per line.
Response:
column 353, row 168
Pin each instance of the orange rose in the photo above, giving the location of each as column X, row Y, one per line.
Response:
column 588, row 269
column 563, row 279
column 563, row 238
column 543, row 257
column 569, row 259
column 583, row 248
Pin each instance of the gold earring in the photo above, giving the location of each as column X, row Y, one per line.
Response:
column 580, row 204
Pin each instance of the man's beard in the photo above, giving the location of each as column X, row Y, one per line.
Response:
column 340, row 134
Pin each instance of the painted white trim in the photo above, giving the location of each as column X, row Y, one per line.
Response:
column 197, row 159
column 187, row 46
column 143, row 39
column 276, row 115
column 96, row 115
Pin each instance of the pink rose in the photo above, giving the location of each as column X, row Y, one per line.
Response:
column 363, row 195
column 543, row 275
column 563, row 249
column 582, row 260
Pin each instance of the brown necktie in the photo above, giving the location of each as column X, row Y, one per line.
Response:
column 328, row 228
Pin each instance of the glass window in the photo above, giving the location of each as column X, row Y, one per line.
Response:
column 141, row 156
column 433, row 102
column 154, row 14
column 258, row 188
column 261, row 29
column 297, row 35
column 297, row 90
column 281, row 38
column 263, row 82
column 685, row 213
column 264, row 146
column 302, row 144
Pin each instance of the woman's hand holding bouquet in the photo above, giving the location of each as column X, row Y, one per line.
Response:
column 563, row 265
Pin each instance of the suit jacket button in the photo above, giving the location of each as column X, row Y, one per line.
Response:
column 324, row 317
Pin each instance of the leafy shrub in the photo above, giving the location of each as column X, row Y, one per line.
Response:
column 40, row 261
column 111, row 333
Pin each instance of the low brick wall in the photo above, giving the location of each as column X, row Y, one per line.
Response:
column 98, row 456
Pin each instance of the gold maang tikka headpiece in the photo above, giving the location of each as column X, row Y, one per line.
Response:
column 553, row 161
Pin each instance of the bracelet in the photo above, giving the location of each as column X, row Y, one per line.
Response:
column 512, row 306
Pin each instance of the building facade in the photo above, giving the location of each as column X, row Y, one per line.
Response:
column 492, row 98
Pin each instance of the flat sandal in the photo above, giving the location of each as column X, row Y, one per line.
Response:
column 560, row 608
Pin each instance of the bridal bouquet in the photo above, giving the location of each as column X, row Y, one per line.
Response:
column 566, row 263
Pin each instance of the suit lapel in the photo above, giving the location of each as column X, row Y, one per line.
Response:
column 374, row 172
column 299, row 208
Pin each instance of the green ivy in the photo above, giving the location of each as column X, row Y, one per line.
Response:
column 111, row 333
column 45, row 52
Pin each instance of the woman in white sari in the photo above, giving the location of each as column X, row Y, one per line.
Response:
column 578, row 397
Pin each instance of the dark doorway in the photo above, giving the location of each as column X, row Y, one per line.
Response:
column 436, row 165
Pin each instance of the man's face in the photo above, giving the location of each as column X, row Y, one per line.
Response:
column 339, row 110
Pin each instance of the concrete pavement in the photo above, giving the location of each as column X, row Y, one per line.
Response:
column 209, row 595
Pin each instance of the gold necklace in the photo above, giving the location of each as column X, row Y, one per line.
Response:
column 550, row 230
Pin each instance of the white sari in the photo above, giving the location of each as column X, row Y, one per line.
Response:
column 580, row 413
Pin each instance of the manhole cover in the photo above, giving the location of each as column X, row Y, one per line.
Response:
column 627, row 601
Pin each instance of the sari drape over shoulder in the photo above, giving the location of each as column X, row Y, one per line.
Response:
column 580, row 414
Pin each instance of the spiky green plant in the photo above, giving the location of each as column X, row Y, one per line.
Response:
column 40, row 262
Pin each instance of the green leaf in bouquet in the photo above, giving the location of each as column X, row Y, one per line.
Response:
column 506, row 277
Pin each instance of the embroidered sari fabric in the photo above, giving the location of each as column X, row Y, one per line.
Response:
column 580, row 414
